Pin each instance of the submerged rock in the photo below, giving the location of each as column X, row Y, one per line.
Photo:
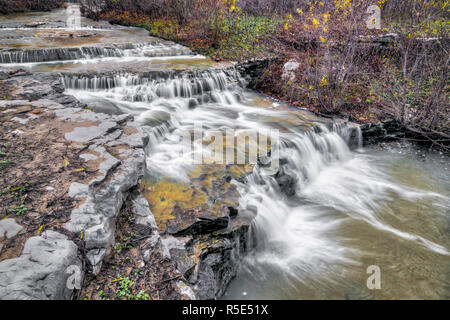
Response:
column 286, row 183
column 209, row 262
column 382, row 132
column 34, row 24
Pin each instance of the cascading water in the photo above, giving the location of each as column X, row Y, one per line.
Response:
column 62, row 54
column 299, row 252
column 331, row 209
column 325, row 181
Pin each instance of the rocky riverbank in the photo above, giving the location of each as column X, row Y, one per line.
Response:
column 96, row 201
column 69, row 176
column 380, row 129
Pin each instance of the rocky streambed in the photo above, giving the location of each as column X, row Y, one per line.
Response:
column 100, row 198
column 96, row 161
column 70, row 174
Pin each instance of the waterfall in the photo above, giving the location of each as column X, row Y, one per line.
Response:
column 152, row 49
column 164, row 102
column 328, row 210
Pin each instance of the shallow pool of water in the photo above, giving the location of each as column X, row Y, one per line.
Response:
column 383, row 208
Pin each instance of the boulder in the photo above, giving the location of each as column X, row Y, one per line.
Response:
column 48, row 269
column 289, row 69
column 9, row 228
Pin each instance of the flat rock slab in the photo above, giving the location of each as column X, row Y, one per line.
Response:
column 84, row 194
column 202, row 207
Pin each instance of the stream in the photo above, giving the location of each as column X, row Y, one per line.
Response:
column 332, row 209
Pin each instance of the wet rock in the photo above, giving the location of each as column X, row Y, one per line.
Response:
column 85, row 35
column 354, row 137
column 34, row 24
column 19, row 73
column 206, row 98
column 215, row 98
column 104, row 106
column 253, row 69
column 65, row 100
column 192, row 103
column 206, row 286
column 210, row 262
column 43, row 269
column 197, row 221
column 286, row 183
column 200, row 207
column 217, row 268
column 381, row 132
column 372, row 132
column 191, row 232
column 157, row 118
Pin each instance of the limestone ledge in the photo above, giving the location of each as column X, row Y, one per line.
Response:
column 113, row 151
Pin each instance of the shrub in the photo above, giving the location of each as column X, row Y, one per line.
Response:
column 10, row 6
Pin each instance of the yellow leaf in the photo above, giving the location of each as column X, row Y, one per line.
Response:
column 315, row 22
column 66, row 162
column 78, row 170
column 40, row 229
